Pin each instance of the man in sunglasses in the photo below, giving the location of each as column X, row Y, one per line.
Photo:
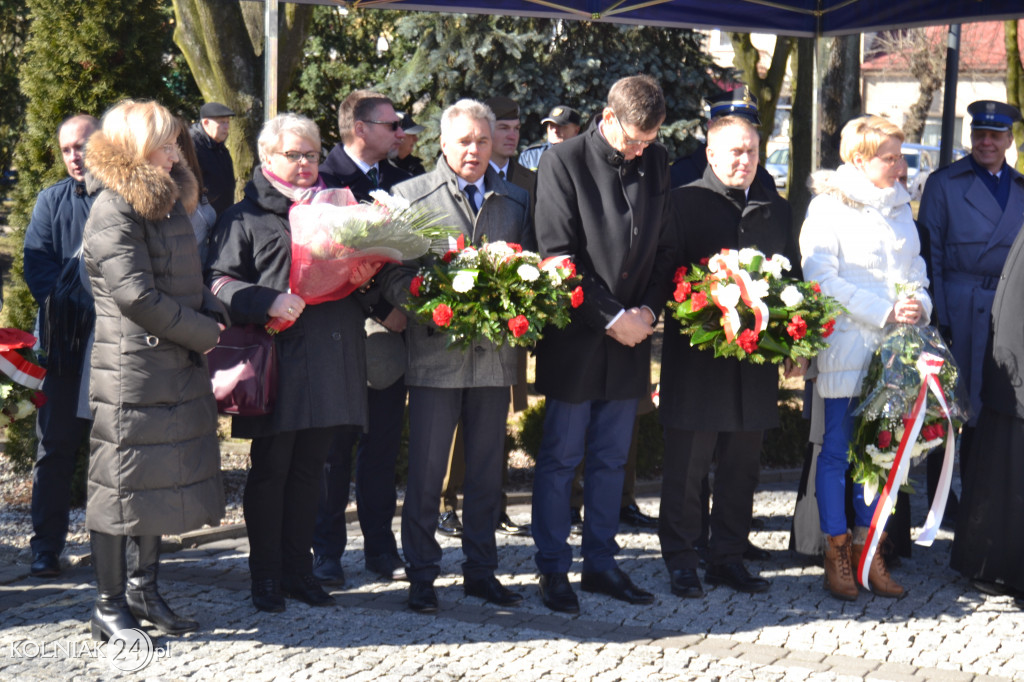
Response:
column 601, row 200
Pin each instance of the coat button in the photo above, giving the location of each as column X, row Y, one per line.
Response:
column 625, row 275
column 336, row 336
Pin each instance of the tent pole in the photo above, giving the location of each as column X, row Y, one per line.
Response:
column 270, row 59
column 949, row 96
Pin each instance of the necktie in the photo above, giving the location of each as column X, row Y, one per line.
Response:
column 471, row 192
column 373, row 175
column 501, row 174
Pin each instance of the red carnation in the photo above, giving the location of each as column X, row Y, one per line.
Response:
column 884, row 440
column 940, row 429
column 518, row 325
column 448, row 256
column 571, row 267
column 747, row 339
column 415, row 284
column 38, row 399
column 797, row 328
column 704, row 261
column 576, row 298
column 442, row 315
column 815, row 287
column 698, row 301
column 680, row 275
column 515, row 247
column 682, row 292
column 827, row 329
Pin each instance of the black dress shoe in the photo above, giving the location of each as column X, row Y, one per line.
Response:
column 489, row 589
column 422, row 597
column 755, row 553
column 508, row 527
column 387, row 566
column 449, row 524
column 995, row 589
column 615, row 583
column 557, row 594
column 328, row 571
column 576, row 521
column 45, row 565
column 266, row 595
column 685, row 583
column 735, row 576
column 702, row 554
column 306, row 589
column 632, row 515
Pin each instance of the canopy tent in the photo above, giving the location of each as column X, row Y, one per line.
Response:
column 787, row 17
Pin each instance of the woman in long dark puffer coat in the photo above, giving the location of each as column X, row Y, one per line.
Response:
column 154, row 463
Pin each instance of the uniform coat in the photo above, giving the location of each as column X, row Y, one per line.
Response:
column 321, row 358
column 610, row 215
column 503, row 216
column 698, row 391
column 970, row 237
column 154, row 464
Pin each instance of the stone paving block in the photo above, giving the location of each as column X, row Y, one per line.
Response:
column 847, row 665
column 944, row 675
column 801, row 664
column 678, row 641
column 758, row 653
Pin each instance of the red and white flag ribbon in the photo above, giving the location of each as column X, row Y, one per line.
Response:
column 20, row 370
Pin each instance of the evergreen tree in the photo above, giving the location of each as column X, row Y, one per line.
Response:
column 79, row 57
column 13, row 31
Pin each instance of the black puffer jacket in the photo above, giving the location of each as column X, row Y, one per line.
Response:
column 154, row 466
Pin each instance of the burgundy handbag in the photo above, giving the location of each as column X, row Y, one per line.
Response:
column 243, row 370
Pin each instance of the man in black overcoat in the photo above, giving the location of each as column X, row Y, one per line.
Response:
column 709, row 402
column 601, row 199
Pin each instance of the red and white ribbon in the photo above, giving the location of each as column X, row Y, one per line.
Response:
column 726, row 266
column 928, row 365
column 20, row 370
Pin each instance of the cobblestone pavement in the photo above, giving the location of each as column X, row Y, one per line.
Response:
column 940, row 630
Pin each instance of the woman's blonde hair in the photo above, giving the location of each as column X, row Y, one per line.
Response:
column 864, row 135
column 270, row 136
column 139, row 127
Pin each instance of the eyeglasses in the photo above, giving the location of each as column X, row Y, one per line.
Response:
column 890, row 159
column 394, row 125
column 171, row 149
column 295, row 157
column 630, row 142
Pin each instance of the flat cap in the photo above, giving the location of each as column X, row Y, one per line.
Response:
column 408, row 125
column 738, row 102
column 988, row 114
column 504, row 109
column 561, row 115
column 214, row 110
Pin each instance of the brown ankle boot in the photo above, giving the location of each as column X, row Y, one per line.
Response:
column 879, row 580
column 839, row 568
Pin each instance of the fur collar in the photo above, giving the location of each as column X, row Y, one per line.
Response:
column 149, row 191
column 849, row 186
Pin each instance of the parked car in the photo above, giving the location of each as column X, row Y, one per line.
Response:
column 921, row 161
column 777, row 164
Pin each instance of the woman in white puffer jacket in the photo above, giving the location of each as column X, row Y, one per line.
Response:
column 858, row 242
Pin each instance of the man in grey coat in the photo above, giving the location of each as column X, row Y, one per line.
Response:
column 446, row 385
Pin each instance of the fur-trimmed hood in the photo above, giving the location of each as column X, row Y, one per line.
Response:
column 851, row 187
column 147, row 189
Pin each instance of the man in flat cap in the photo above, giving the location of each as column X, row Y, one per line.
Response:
column 403, row 156
column 561, row 124
column 209, row 135
column 971, row 211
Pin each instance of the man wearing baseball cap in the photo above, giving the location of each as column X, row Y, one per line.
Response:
column 561, row 124
column 971, row 211
column 209, row 135
column 403, row 157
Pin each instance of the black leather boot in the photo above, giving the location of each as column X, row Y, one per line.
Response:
column 144, row 600
column 111, row 612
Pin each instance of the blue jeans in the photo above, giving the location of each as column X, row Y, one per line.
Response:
column 833, row 463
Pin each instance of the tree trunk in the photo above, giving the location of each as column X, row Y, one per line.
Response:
column 768, row 89
column 801, row 163
column 223, row 45
column 841, row 100
column 1015, row 84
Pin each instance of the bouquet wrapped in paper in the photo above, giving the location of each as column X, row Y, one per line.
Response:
column 912, row 401
column 334, row 236
column 20, row 377
column 740, row 305
column 499, row 292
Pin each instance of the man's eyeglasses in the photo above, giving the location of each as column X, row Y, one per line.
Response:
column 394, row 125
column 295, row 157
column 630, row 142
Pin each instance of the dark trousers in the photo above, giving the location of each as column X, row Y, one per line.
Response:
column 376, row 497
column 628, row 479
column 603, row 429
column 687, row 461
column 280, row 500
column 60, row 434
column 433, row 414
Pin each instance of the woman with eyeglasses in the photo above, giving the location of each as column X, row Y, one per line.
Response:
column 154, row 463
column 321, row 364
column 858, row 242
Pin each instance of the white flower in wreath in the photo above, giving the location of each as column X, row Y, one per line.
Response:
column 391, row 202
column 527, row 272
column 758, row 288
column 729, row 295
column 463, row 281
column 498, row 251
column 747, row 256
column 791, row 296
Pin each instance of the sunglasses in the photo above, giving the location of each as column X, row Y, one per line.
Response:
column 394, row 125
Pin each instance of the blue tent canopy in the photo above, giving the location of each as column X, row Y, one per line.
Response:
column 788, row 17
